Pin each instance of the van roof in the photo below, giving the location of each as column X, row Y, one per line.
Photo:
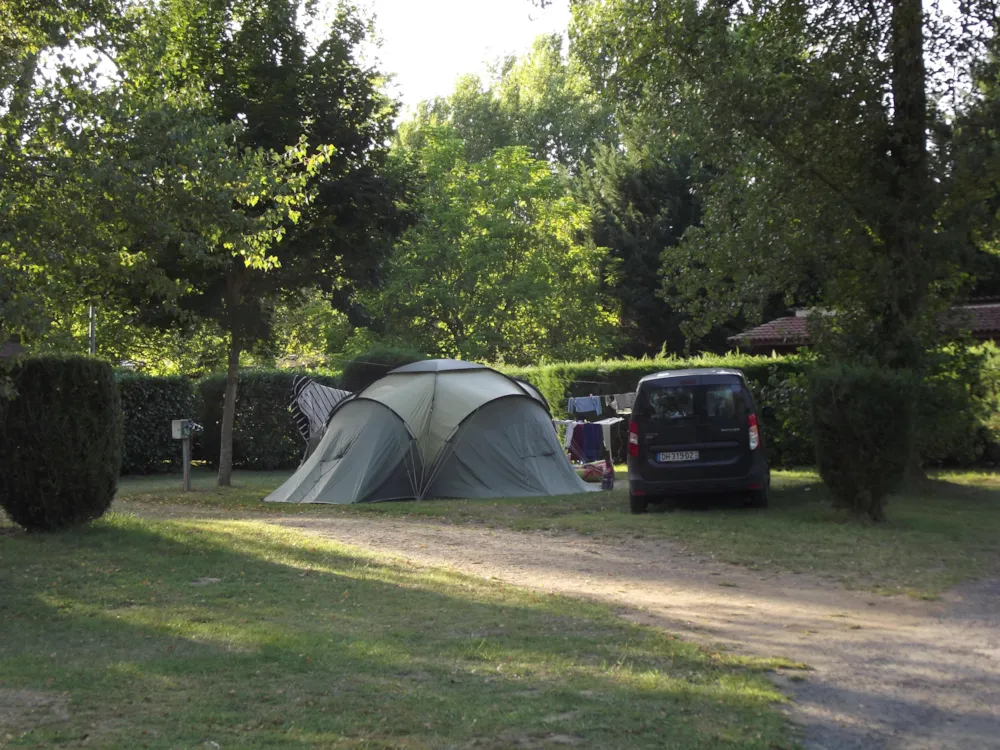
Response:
column 692, row 373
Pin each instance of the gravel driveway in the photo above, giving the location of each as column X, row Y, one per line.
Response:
column 887, row 672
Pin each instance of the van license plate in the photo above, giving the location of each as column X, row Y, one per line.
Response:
column 678, row 456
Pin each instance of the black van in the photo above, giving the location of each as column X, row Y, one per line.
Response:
column 692, row 432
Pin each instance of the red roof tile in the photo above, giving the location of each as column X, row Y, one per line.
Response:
column 11, row 349
column 983, row 321
column 781, row 332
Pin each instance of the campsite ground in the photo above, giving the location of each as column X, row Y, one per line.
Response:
column 917, row 671
column 216, row 633
column 935, row 538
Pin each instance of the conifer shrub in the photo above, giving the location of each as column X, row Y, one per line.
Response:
column 60, row 442
column 863, row 432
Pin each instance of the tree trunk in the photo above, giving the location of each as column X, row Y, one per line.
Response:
column 915, row 261
column 19, row 99
column 229, row 414
column 916, row 475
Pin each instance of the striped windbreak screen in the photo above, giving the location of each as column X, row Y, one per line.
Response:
column 312, row 404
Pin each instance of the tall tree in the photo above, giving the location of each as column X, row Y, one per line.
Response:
column 641, row 202
column 254, row 60
column 38, row 227
column 499, row 266
column 543, row 101
column 816, row 115
column 975, row 152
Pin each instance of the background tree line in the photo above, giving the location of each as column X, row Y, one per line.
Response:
column 229, row 183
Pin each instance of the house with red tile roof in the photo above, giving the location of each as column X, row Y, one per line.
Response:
column 786, row 335
column 12, row 348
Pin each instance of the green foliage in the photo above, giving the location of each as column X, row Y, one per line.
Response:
column 543, row 101
column 768, row 377
column 149, row 404
column 374, row 363
column 60, row 442
column 815, row 118
column 641, row 203
column 958, row 407
column 958, row 422
column 863, row 418
column 264, row 436
column 195, row 349
column 562, row 380
column 49, row 239
column 279, row 89
column 308, row 329
column 976, row 153
column 788, row 424
column 498, row 268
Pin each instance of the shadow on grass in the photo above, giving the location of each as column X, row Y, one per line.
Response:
column 179, row 634
column 938, row 535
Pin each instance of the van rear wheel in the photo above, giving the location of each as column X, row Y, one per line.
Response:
column 637, row 504
column 758, row 498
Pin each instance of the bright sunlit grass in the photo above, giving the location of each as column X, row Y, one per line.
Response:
column 234, row 633
column 939, row 535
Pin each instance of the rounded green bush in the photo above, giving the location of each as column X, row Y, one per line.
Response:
column 60, row 442
column 863, row 422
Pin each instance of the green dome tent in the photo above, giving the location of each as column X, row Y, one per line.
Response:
column 437, row 428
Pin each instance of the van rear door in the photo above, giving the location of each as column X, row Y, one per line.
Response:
column 693, row 428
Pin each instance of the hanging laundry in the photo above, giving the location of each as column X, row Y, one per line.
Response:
column 606, row 425
column 593, row 441
column 584, row 405
column 576, row 441
column 569, row 424
column 622, row 401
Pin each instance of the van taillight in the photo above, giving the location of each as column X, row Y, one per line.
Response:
column 633, row 438
column 754, row 433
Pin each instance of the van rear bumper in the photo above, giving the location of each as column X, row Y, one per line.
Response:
column 757, row 478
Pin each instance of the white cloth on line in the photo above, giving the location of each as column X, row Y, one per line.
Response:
column 569, row 424
column 623, row 401
column 606, row 429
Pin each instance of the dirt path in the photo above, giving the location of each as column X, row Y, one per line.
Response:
column 887, row 672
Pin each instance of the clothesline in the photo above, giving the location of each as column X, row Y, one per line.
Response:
column 588, row 441
column 593, row 404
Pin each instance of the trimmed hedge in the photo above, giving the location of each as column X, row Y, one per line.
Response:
column 149, row 405
column 863, row 421
column 778, row 382
column 374, row 364
column 560, row 381
column 264, row 436
column 60, row 442
column 958, row 419
column 958, row 407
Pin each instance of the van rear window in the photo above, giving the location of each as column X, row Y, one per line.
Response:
column 677, row 402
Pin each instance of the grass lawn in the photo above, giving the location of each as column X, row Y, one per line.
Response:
column 218, row 634
column 946, row 532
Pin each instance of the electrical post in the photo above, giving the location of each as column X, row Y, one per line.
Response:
column 92, row 338
column 183, row 430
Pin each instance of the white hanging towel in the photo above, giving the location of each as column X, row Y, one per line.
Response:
column 606, row 429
